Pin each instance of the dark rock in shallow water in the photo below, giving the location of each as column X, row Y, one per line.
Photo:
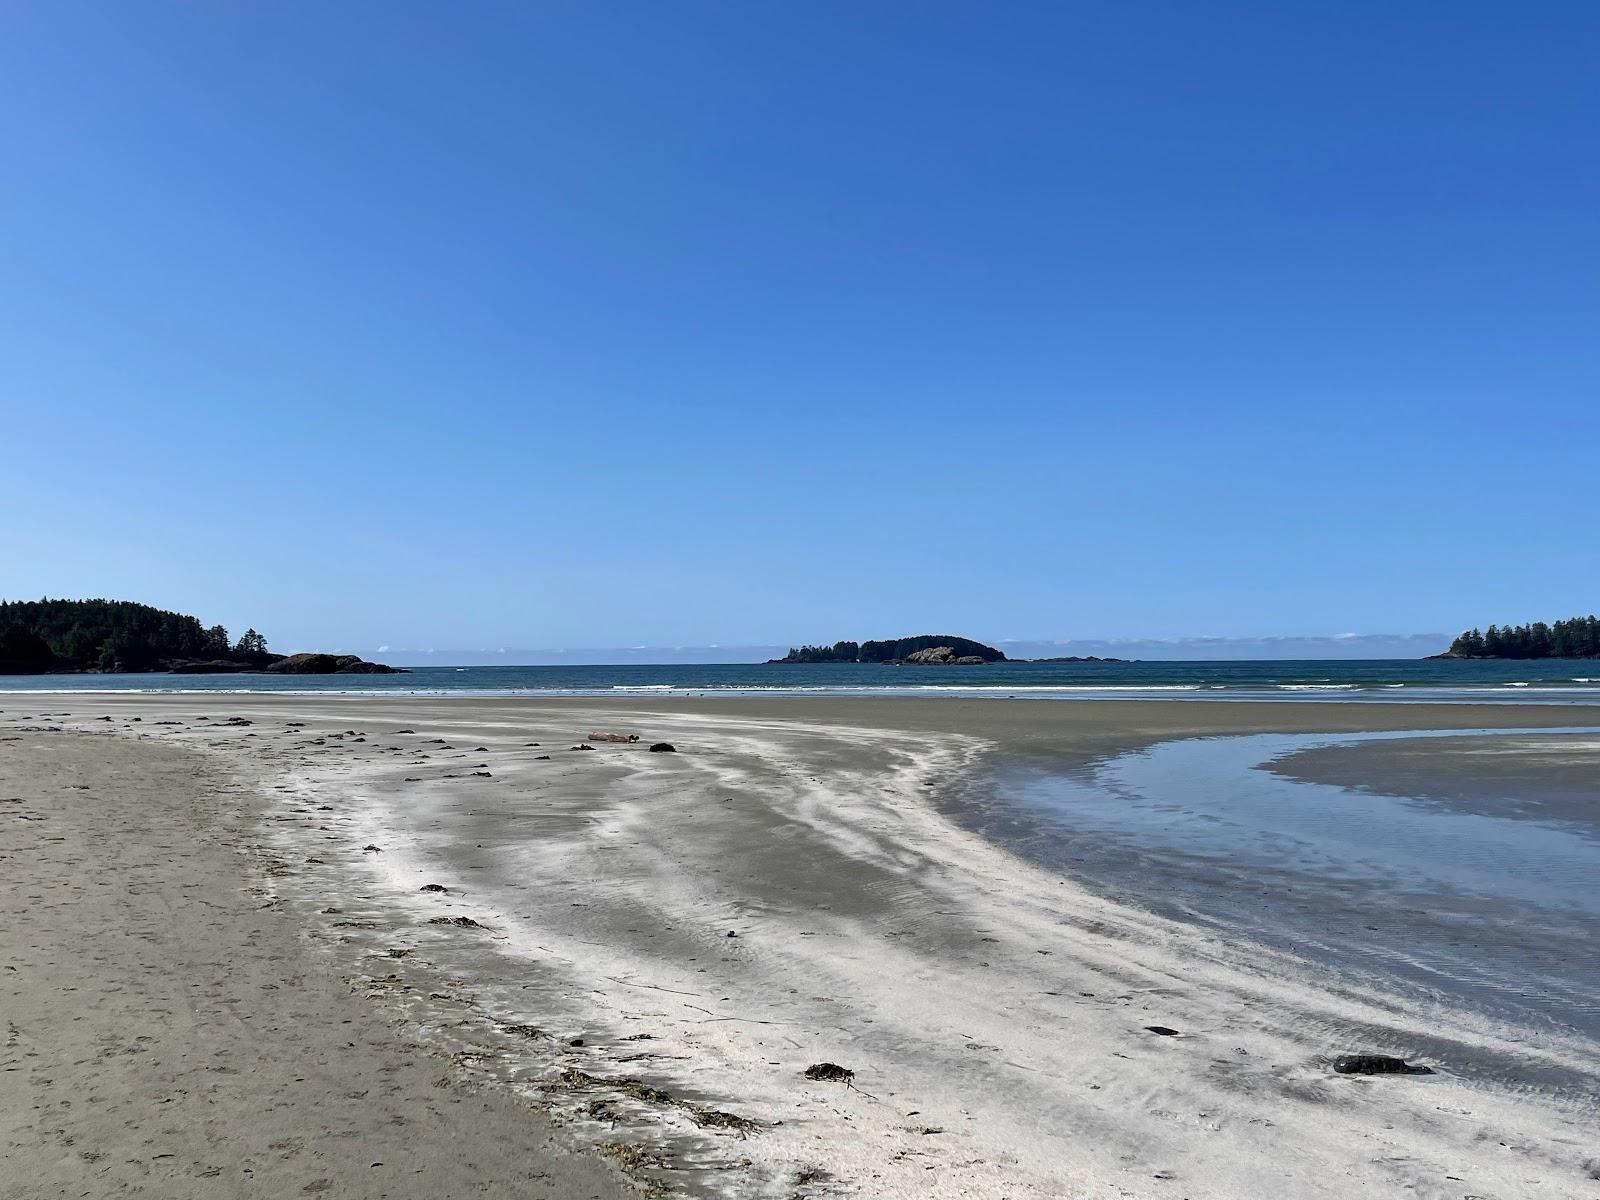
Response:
column 1376, row 1064
column 663, row 748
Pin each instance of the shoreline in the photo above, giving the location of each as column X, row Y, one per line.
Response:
column 1484, row 902
column 996, row 1002
column 1380, row 681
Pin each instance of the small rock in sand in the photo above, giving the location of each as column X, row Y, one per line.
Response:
column 829, row 1072
column 1376, row 1064
column 433, row 887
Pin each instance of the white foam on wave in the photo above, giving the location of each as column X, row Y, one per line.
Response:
column 1049, row 687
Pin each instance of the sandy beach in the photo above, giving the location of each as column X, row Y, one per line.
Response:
column 258, row 944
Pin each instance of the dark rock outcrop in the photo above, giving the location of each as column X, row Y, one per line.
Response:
column 1376, row 1064
column 329, row 664
column 938, row 656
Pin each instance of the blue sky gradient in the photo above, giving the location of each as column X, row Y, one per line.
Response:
column 578, row 325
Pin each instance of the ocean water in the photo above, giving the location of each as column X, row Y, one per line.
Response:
column 1497, row 913
column 1549, row 681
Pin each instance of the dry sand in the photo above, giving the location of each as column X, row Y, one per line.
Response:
column 995, row 1014
column 169, row 1032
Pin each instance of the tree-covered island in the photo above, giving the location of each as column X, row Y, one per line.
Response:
column 1578, row 637
column 927, row 649
column 40, row 637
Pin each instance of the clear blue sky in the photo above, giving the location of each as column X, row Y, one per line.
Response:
column 603, row 325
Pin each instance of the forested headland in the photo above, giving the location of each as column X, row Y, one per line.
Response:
column 1578, row 637
column 38, row 637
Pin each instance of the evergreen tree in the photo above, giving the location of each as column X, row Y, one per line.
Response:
column 109, row 635
column 250, row 643
column 1578, row 637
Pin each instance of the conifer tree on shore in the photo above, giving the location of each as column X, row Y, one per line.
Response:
column 1578, row 637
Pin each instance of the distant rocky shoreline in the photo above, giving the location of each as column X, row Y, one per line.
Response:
column 291, row 664
column 1078, row 658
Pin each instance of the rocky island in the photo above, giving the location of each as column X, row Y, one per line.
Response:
column 42, row 637
column 929, row 649
column 285, row 664
column 1078, row 658
column 1578, row 637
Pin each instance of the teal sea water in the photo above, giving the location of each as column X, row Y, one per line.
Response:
column 1543, row 681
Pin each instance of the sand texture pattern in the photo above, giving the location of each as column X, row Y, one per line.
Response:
column 169, row 1034
column 460, row 922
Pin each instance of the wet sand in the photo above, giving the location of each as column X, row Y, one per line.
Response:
column 1555, row 778
column 1493, row 907
column 996, row 1014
